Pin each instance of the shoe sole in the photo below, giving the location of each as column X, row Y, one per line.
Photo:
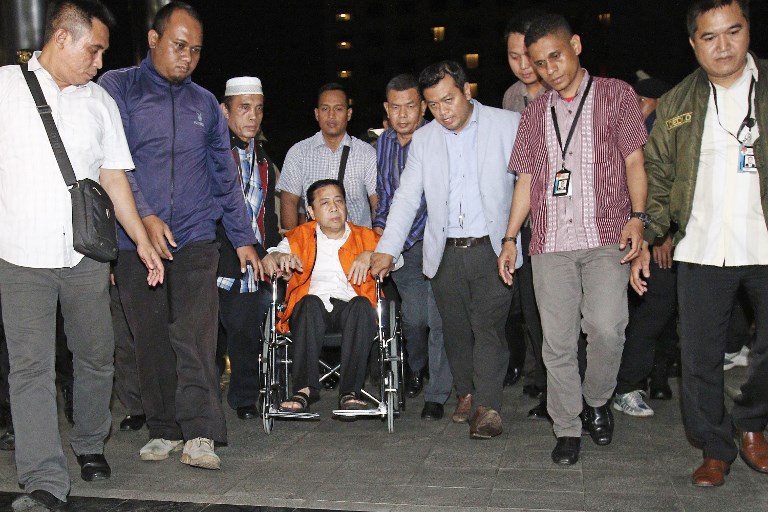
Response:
column 201, row 462
column 619, row 408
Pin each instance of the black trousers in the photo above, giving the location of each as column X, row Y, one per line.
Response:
column 309, row 322
column 649, row 319
column 530, row 310
column 241, row 318
column 126, row 374
column 474, row 303
column 706, row 296
column 174, row 326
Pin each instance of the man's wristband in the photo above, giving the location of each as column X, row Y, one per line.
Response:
column 644, row 218
column 508, row 239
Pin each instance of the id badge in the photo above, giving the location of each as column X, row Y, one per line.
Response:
column 562, row 186
column 747, row 159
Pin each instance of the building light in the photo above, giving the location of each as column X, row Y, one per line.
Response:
column 344, row 16
column 472, row 60
column 344, row 45
column 438, row 34
column 345, row 73
column 473, row 89
column 604, row 18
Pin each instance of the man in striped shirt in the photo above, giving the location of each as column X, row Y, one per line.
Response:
column 579, row 160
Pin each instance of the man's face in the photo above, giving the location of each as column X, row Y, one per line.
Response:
column 329, row 209
column 556, row 58
column 332, row 113
column 519, row 61
column 449, row 104
column 405, row 110
column 176, row 53
column 647, row 105
column 81, row 58
column 244, row 115
column 721, row 41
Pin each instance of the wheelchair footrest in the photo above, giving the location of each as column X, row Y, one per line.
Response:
column 379, row 411
column 277, row 413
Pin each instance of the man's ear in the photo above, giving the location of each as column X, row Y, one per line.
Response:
column 152, row 38
column 60, row 37
column 349, row 114
column 224, row 109
column 311, row 212
column 317, row 115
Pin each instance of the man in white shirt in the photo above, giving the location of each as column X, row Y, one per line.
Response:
column 38, row 264
column 327, row 261
column 700, row 177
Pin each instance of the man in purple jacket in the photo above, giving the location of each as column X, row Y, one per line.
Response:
column 185, row 180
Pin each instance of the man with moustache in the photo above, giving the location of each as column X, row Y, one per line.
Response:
column 701, row 177
column 184, row 182
column 422, row 326
column 323, row 156
column 579, row 161
column 457, row 163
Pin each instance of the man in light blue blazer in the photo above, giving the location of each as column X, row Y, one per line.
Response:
column 459, row 161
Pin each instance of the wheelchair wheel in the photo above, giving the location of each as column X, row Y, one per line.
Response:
column 391, row 396
column 397, row 357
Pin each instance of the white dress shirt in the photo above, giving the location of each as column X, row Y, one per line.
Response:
column 727, row 226
column 35, row 205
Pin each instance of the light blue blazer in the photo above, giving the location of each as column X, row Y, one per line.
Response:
column 427, row 171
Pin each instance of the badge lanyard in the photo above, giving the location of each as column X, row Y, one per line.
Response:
column 746, row 150
column 562, row 183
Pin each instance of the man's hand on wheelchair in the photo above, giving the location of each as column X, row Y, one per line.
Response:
column 381, row 264
column 358, row 272
column 281, row 264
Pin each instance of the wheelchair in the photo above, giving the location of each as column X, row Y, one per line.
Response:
column 388, row 397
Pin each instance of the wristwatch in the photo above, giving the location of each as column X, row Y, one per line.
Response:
column 506, row 239
column 644, row 218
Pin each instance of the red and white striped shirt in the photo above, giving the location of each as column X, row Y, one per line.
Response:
column 610, row 128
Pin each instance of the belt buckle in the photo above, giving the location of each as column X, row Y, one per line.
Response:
column 462, row 242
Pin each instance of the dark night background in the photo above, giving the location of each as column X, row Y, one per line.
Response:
column 292, row 46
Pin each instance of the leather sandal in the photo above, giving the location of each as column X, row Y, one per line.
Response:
column 352, row 402
column 303, row 399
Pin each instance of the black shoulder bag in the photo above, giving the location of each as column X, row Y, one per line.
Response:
column 343, row 164
column 94, row 232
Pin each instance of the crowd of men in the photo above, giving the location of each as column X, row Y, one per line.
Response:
column 551, row 205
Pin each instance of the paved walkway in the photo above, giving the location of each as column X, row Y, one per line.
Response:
column 423, row 466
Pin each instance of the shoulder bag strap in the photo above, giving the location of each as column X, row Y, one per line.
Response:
column 343, row 164
column 50, row 126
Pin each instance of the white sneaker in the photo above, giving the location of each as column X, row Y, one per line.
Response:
column 740, row 358
column 198, row 452
column 632, row 403
column 158, row 449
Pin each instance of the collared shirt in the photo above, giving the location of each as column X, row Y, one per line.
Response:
column 35, row 205
column 727, row 226
column 328, row 279
column 611, row 128
column 311, row 160
column 465, row 208
column 516, row 97
column 391, row 158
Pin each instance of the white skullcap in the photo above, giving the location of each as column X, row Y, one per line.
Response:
column 243, row 85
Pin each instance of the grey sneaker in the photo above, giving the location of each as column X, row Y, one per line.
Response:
column 36, row 501
column 198, row 452
column 740, row 358
column 632, row 403
column 158, row 449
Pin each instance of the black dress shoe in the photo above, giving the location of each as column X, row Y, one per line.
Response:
column 566, row 451
column 660, row 390
column 8, row 440
column 69, row 410
column 93, row 467
column 134, row 422
column 331, row 382
column 533, row 391
column 540, row 412
column 413, row 384
column 598, row 422
column 513, row 375
column 247, row 412
column 432, row 411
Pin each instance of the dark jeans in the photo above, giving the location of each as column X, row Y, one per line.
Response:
column 126, row 374
column 174, row 326
column 241, row 317
column 706, row 297
column 474, row 303
column 309, row 322
column 649, row 319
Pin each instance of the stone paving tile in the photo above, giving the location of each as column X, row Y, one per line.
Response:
column 612, row 502
column 540, row 480
column 546, row 500
column 635, row 482
column 472, row 477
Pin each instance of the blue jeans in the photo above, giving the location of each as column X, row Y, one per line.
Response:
column 422, row 326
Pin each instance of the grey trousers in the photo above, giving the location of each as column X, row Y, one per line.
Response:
column 29, row 313
column 473, row 303
column 583, row 290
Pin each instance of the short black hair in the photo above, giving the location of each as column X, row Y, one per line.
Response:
column 402, row 83
column 699, row 7
column 75, row 16
column 521, row 22
column 165, row 12
column 433, row 73
column 545, row 25
column 324, row 183
column 333, row 86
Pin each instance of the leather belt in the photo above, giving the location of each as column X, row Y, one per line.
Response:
column 468, row 242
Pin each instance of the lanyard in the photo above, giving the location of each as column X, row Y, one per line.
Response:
column 747, row 123
column 573, row 125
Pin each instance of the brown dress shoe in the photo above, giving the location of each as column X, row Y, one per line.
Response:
column 753, row 449
column 485, row 424
column 711, row 473
column 461, row 414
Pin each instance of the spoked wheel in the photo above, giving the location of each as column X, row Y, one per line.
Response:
column 391, row 396
column 267, row 420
